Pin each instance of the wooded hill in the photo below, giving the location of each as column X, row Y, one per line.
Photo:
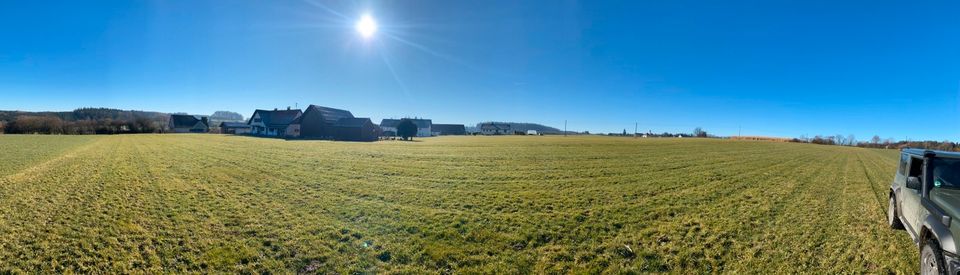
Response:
column 523, row 127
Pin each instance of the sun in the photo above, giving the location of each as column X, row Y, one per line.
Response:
column 366, row 26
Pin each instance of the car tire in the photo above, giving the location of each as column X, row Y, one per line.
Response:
column 931, row 259
column 892, row 219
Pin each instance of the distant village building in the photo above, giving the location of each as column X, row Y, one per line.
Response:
column 355, row 129
column 424, row 127
column 493, row 128
column 188, row 124
column 276, row 123
column 532, row 133
column 236, row 128
column 388, row 127
column 449, row 129
column 318, row 122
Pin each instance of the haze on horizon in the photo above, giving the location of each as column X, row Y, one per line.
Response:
column 774, row 68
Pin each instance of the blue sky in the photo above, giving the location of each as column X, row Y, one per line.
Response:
column 776, row 68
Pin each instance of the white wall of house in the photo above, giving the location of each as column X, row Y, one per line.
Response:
column 258, row 128
column 421, row 132
column 293, row 130
column 256, row 125
column 388, row 129
column 424, row 132
column 241, row 131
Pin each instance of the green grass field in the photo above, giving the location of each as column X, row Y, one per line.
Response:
column 210, row 203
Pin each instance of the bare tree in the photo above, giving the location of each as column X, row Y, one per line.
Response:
column 699, row 132
column 851, row 140
column 875, row 140
column 838, row 139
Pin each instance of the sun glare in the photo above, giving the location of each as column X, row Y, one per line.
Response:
column 367, row 26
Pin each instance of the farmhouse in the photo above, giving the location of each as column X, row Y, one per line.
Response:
column 318, row 122
column 424, row 127
column 237, row 128
column 388, row 127
column 493, row 128
column 449, row 129
column 188, row 124
column 276, row 123
column 355, row 129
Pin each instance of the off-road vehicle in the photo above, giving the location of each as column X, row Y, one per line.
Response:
column 925, row 201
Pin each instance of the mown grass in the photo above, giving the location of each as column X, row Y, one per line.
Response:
column 209, row 203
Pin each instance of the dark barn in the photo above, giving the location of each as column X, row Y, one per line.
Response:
column 188, row 124
column 234, row 128
column 317, row 122
column 450, row 129
column 356, row 129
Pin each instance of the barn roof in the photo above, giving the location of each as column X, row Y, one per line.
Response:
column 330, row 115
column 422, row 123
column 276, row 117
column 184, row 121
column 353, row 122
column 449, row 128
column 387, row 122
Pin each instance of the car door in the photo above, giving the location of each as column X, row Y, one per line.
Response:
column 910, row 197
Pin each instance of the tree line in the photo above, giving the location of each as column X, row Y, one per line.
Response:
column 878, row 142
column 82, row 121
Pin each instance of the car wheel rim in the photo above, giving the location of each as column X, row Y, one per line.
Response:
column 928, row 265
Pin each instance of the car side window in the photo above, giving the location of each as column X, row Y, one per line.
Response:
column 904, row 159
column 916, row 167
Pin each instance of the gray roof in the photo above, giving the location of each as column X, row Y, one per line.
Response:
column 937, row 153
column 330, row 115
column 450, row 129
column 389, row 122
column 277, row 117
column 184, row 121
column 423, row 123
column 353, row 122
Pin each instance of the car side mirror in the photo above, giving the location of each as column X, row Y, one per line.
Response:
column 913, row 183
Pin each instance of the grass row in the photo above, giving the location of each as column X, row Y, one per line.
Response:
column 201, row 203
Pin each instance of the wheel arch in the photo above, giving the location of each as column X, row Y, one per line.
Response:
column 932, row 228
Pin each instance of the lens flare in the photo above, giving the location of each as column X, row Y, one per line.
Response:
column 366, row 26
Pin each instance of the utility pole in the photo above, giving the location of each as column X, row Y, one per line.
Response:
column 739, row 130
column 564, row 127
column 635, row 124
